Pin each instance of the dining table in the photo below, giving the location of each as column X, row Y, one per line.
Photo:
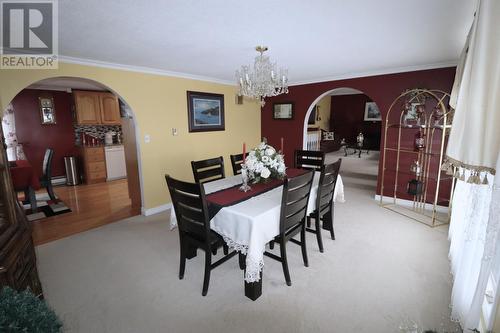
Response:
column 24, row 179
column 250, row 221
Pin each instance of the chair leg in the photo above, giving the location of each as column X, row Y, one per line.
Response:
column 50, row 191
column 182, row 267
column 318, row 235
column 32, row 199
column 308, row 221
column 206, row 279
column 225, row 248
column 242, row 260
column 330, row 215
column 271, row 245
column 284, row 263
column 303, row 244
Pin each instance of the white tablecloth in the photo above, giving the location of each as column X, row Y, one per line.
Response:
column 249, row 225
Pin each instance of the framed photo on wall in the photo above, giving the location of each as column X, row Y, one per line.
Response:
column 372, row 113
column 205, row 111
column 47, row 111
column 283, row 111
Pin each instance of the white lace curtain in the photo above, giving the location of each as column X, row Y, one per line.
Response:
column 474, row 147
column 9, row 132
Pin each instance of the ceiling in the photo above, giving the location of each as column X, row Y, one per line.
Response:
column 315, row 40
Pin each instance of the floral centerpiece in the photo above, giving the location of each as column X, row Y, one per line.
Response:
column 264, row 163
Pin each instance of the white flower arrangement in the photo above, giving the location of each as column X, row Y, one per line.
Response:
column 264, row 163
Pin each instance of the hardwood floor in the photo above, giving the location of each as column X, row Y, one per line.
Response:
column 91, row 206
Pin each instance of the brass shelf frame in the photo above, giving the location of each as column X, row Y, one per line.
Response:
column 421, row 210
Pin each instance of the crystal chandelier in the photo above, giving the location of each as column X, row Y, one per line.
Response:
column 264, row 81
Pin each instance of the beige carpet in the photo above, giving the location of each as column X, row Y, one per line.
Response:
column 381, row 270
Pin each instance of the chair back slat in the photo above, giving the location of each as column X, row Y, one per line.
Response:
column 208, row 170
column 294, row 200
column 236, row 162
column 194, row 214
column 309, row 159
column 190, row 207
column 326, row 186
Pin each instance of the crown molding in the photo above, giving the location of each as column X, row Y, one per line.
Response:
column 154, row 71
column 382, row 71
column 142, row 69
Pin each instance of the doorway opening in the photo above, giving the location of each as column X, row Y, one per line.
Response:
column 346, row 123
column 73, row 153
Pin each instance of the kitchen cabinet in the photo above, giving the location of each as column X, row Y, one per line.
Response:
column 96, row 108
column 110, row 111
column 94, row 164
column 87, row 107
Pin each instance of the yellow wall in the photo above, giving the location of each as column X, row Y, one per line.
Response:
column 159, row 104
column 324, row 113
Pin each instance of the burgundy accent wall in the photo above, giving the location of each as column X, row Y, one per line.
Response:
column 36, row 137
column 347, row 120
column 382, row 89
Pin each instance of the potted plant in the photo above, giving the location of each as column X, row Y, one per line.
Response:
column 24, row 312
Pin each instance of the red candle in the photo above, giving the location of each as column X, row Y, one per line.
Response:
column 282, row 144
column 244, row 151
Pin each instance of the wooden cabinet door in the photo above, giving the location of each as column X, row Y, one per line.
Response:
column 110, row 110
column 87, row 108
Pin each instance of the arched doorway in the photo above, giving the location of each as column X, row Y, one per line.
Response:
column 117, row 191
column 334, row 123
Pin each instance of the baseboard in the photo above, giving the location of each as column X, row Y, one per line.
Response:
column 409, row 203
column 58, row 181
column 156, row 210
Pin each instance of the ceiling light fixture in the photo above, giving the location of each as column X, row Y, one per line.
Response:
column 264, row 81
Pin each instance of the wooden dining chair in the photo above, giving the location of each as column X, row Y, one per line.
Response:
column 46, row 178
column 193, row 222
column 208, row 170
column 309, row 159
column 294, row 201
column 324, row 202
column 236, row 162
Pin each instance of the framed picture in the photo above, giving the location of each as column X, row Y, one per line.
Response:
column 283, row 111
column 412, row 113
column 205, row 111
column 47, row 111
column 372, row 113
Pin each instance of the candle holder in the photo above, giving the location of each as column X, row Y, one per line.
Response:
column 244, row 175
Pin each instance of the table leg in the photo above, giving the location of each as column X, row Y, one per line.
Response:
column 253, row 290
column 32, row 199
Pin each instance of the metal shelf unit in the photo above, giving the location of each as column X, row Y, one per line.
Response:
column 435, row 123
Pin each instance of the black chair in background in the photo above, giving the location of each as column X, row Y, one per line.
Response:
column 309, row 159
column 324, row 202
column 236, row 162
column 193, row 222
column 46, row 178
column 208, row 170
column 294, row 201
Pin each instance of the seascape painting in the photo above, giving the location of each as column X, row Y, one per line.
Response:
column 205, row 111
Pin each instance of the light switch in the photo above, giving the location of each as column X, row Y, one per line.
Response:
column 147, row 138
column 174, row 131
